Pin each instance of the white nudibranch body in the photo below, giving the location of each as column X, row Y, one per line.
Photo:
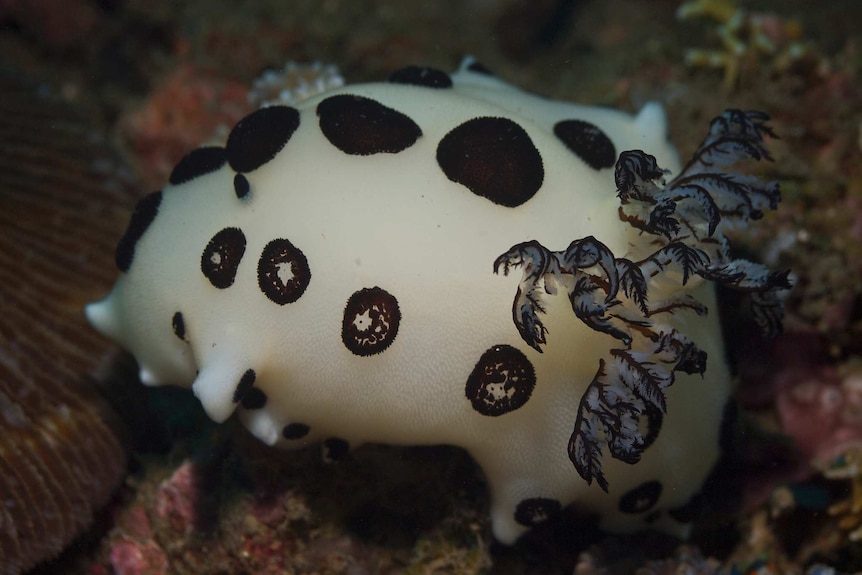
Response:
column 329, row 274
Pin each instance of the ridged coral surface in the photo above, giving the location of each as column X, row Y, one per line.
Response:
column 60, row 211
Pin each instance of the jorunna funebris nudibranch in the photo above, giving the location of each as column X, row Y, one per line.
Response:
column 341, row 272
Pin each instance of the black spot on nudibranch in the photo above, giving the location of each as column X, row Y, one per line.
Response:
column 654, row 418
column 480, row 68
column 179, row 325
column 295, row 431
column 221, row 258
column 246, row 383
column 254, row 399
column 144, row 214
column 198, row 163
column 335, row 449
column 641, row 498
column 421, row 76
column 588, row 142
column 246, row 394
column 536, row 510
column 257, row 138
column 361, row 126
column 371, row 320
column 241, row 186
column 282, row 272
column 494, row 158
column 501, row 382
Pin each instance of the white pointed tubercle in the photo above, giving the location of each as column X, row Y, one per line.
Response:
column 216, row 387
column 148, row 377
column 101, row 316
column 652, row 119
column 261, row 425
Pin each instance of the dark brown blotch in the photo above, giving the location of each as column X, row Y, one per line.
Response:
column 260, row 136
column 588, row 142
column 293, row 431
column 421, row 76
column 361, row 126
column 142, row 217
column 494, row 158
column 198, row 163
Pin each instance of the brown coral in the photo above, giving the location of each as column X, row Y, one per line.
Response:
column 60, row 454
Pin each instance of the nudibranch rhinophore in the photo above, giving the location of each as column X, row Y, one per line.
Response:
column 334, row 274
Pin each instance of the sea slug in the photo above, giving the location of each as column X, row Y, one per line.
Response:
column 333, row 273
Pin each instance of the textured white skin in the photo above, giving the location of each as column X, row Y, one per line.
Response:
column 396, row 221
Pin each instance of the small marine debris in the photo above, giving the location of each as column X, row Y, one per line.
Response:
column 748, row 40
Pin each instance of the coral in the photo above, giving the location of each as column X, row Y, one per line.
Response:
column 189, row 107
column 746, row 38
column 62, row 195
column 129, row 557
column 294, row 83
column 625, row 403
column 134, row 551
column 821, row 409
column 177, row 498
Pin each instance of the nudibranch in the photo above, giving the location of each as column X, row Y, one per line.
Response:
column 334, row 274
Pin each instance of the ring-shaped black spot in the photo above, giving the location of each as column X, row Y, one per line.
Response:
column 361, row 126
column 241, row 186
column 421, row 76
column 536, row 510
column 257, row 138
column 246, row 384
column 370, row 322
column 221, row 258
column 588, row 142
column 641, row 498
column 197, row 163
column 501, row 381
column 494, row 158
column 335, row 449
column 282, row 272
column 143, row 215
column 295, row 431
column 179, row 325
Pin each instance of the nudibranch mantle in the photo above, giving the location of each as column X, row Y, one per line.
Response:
column 330, row 274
